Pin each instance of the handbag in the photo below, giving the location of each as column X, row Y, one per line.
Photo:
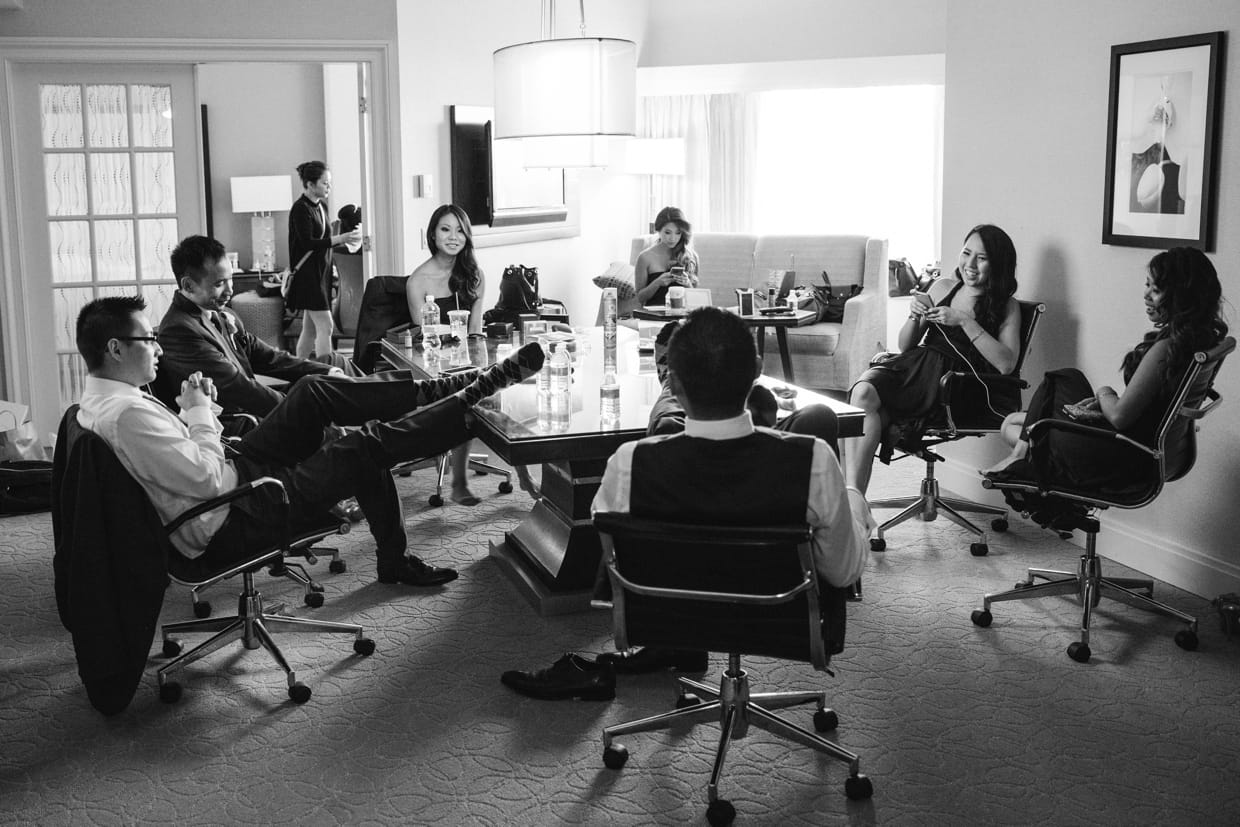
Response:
column 25, row 486
column 830, row 302
column 901, row 277
column 518, row 294
column 286, row 276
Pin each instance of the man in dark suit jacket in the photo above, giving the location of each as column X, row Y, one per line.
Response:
column 199, row 334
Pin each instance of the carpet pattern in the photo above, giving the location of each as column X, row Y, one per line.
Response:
column 954, row 724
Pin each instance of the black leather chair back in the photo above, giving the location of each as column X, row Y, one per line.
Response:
column 384, row 306
column 748, row 563
column 1176, row 437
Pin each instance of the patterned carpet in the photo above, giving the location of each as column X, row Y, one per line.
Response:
column 954, row 724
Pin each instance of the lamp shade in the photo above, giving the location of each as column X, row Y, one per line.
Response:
column 262, row 193
column 567, row 86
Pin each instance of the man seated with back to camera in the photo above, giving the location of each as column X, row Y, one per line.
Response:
column 720, row 469
column 179, row 461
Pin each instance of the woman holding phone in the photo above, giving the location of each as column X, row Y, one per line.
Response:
column 669, row 261
column 968, row 321
column 1182, row 299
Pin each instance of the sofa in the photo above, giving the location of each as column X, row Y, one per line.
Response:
column 825, row 355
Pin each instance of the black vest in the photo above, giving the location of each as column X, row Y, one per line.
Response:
column 762, row 478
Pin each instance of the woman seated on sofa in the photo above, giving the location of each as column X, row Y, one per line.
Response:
column 1182, row 297
column 654, row 269
column 968, row 321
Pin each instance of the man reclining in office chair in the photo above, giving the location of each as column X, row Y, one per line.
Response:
column 720, row 469
column 179, row 461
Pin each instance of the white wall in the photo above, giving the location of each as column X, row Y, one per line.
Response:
column 1026, row 110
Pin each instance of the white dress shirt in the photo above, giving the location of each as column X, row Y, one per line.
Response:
column 839, row 515
column 178, row 461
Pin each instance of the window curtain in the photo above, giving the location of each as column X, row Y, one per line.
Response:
column 717, row 190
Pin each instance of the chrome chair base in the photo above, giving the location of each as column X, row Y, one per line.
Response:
column 929, row 504
column 1089, row 586
column 253, row 626
column 736, row 708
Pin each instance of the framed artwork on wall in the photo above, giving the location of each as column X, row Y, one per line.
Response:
column 1163, row 119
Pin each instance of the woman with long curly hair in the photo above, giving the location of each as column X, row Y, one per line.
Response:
column 966, row 321
column 454, row 281
column 1182, row 300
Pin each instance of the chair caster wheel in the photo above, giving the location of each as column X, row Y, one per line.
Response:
column 1079, row 652
column 505, row 487
column 859, row 787
column 202, row 609
column 172, row 647
column 1186, row 639
column 826, row 720
column 299, row 693
column 999, row 524
column 316, row 587
column 615, row 756
column 687, row 700
column 364, row 646
column 435, row 500
column 982, row 617
column 170, row 692
column 337, row 567
column 314, row 600
column 878, row 544
column 720, row 813
column 979, row 549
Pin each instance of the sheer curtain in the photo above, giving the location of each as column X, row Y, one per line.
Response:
column 717, row 190
column 854, row 160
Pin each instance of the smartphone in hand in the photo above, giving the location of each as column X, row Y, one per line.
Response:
column 922, row 298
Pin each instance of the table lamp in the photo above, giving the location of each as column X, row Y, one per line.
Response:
column 260, row 195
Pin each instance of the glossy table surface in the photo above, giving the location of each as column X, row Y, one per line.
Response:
column 508, row 422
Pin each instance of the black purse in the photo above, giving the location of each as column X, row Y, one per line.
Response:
column 518, row 294
column 829, row 302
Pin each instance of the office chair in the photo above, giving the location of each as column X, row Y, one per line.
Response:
column 1171, row 456
column 112, row 564
column 962, row 411
column 384, row 310
column 739, row 590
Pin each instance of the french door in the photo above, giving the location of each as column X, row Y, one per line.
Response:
column 108, row 182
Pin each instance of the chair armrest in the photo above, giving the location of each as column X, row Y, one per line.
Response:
column 951, row 381
column 713, row 597
column 1043, row 427
column 1197, row 413
column 241, row 491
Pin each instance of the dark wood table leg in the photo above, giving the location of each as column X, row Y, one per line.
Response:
column 781, row 334
column 553, row 555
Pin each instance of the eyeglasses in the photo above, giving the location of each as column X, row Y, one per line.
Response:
column 136, row 338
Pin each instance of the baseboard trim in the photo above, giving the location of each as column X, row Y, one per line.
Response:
column 1161, row 557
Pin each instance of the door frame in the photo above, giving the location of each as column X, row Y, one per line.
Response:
column 385, row 226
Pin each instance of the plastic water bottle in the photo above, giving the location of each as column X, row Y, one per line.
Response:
column 561, row 389
column 611, row 305
column 609, row 402
column 544, row 397
column 430, row 351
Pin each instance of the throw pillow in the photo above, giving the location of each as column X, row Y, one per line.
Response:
column 620, row 276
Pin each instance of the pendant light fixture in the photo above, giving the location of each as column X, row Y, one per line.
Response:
column 565, row 97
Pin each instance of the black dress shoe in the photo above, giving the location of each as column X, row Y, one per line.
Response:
column 571, row 676
column 651, row 659
column 413, row 572
column 348, row 510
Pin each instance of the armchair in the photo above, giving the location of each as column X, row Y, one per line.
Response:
column 1170, row 457
column 740, row 590
column 112, row 565
column 963, row 411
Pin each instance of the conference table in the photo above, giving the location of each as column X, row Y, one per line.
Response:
column 553, row 555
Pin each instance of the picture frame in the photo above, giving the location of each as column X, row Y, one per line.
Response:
column 1163, row 117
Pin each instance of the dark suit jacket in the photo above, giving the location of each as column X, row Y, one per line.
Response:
column 191, row 343
column 110, row 564
column 384, row 306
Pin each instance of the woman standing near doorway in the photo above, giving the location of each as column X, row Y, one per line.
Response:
column 310, row 244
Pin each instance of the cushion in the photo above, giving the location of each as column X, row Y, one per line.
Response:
column 620, row 276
